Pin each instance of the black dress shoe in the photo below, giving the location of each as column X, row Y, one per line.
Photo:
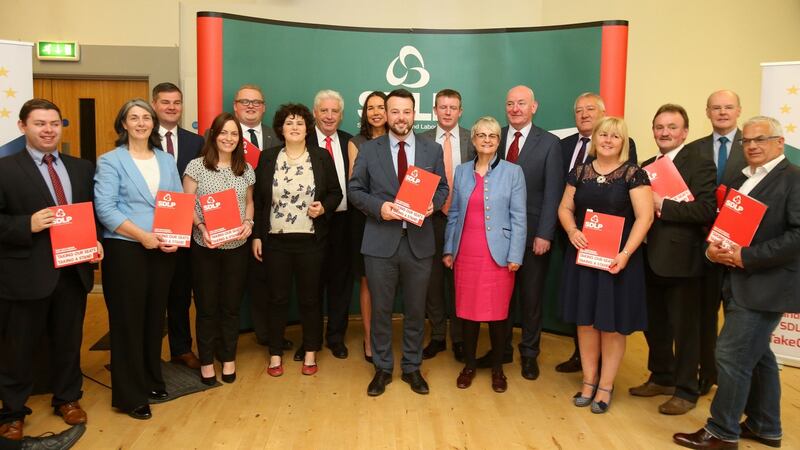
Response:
column 530, row 368
column 458, row 351
column 434, row 347
column 300, row 354
column 209, row 381
column 228, row 377
column 378, row 384
column 65, row 439
column 287, row 344
column 158, row 395
column 702, row 439
column 417, row 383
column 141, row 413
column 746, row 433
column 485, row 361
column 705, row 385
column 338, row 350
column 573, row 364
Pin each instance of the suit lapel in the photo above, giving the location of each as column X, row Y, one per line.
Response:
column 136, row 177
column 680, row 162
column 385, row 160
column 526, row 152
column 735, row 161
column 32, row 173
column 464, row 143
column 75, row 182
column 767, row 180
column 345, row 157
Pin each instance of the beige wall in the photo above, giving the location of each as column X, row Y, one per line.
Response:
column 679, row 51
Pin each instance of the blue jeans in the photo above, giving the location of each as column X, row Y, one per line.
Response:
column 748, row 380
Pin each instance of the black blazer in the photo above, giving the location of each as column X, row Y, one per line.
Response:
column 736, row 161
column 770, row 280
column 325, row 180
column 344, row 138
column 675, row 242
column 569, row 143
column 540, row 159
column 189, row 146
column 26, row 258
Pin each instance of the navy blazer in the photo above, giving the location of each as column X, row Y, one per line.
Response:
column 569, row 143
column 189, row 147
column 504, row 206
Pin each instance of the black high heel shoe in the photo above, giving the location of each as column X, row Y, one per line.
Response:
column 367, row 358
column 228, row 377
column 210, row 381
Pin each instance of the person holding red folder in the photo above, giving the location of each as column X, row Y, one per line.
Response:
column 219, row 272
column 606, row 305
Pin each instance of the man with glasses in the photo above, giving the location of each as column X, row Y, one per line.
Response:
column 724, row 147
column 760, row 284
column 674, row 268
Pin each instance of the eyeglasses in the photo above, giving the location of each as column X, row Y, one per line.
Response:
column 247, row 102
column 760, row 140
column 482, row 136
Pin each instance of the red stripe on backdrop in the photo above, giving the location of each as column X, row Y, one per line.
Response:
column 209, row 70
column 613, row 64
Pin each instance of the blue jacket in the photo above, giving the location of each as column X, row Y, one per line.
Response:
column 506, row 226
column 121, row 193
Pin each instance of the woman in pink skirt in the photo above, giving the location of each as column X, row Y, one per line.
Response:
column 484, row 243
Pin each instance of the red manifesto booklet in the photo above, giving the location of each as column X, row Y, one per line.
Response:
column 73, row 234
column 221, row 215
column 604, row 233
column 738, row 220
column 415, row 194
column 667, row 182
column 172, row 220
column 251, row 153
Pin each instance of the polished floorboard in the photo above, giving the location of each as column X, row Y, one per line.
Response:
column 331, row 410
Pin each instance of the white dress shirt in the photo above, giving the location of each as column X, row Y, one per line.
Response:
column 754, row 176
column 455, row 143
column 526, row 130
column 338, row 161
column 162, row 133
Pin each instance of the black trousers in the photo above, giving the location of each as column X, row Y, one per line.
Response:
column 673, row 308
column 219, row 278
column 258, row 291
column 709, row 320
column 438, row 305
column 136, row 285
column 337, row 277
column 530, row 280
column 22, row 325
column 294, row 258
column 178, row 303
column 497, row 335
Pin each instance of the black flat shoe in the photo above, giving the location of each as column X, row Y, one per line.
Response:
column 228, row 377
column 209, row 381
column 299, row 354
column 367, row 358
column 141, row 413
column 158, row 395
column 338, row 350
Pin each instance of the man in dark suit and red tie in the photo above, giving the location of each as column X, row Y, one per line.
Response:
column 184, row 146
column 760, row 284
column 37, row 299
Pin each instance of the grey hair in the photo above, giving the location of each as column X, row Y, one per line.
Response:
column 328, row 94
column 775, row 128
column 487, row 121
column 154, row 141
column 596, row 97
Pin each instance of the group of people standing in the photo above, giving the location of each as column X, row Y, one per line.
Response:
column 318, row 211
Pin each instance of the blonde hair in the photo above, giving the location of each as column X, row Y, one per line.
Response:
column 486, row 121
column 615, row 125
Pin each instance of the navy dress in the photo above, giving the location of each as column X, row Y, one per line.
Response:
column 612, row 303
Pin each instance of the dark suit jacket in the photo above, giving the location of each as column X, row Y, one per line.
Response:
column 344, row 138
column 465, row 145
column 675, row 242
column 326, row 184
column 770, row 280
column 26, row 258
column 569, row 143
column 735, row 163
column 374, row 182
column 189, row 146
column 540, row 159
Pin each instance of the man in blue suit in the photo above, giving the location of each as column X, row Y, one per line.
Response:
column 394, row 250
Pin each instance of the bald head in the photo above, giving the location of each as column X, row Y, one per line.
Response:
column 723, row 109
column 520, row 106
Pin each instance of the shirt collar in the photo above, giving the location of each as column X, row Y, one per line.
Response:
column 525, row 130
column 730, row 136
column 38, row 155
column 766, row 168
column 674, row 152
column 321, row 137
column 163, row 131
column 440, row 132
column 409, row 140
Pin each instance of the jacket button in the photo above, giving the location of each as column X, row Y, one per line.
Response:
column 487, row 197
column 487, row 208
column 487, row 217
column 488, row 228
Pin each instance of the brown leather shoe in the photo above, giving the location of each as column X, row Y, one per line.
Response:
column 188, row 359
column 11, row 430
column 72, row 413
column 702, row 439
column 465, row 378
column 650, row 389
column 499, row 383
column 676, row 406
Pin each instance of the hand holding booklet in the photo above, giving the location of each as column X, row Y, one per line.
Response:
column 604, row 234
column 173, row 217
column 667, row 182
column 222, row 216
column 73, row 234
column 738, row 220
column 415, row 194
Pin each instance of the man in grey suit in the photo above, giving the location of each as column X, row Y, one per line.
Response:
column 458, row 148
column 722, row 146
column 760, row 284
column 393, row 249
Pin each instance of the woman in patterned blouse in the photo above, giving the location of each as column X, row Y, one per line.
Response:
column 295, row 186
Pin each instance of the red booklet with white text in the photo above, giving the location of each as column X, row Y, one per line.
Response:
column 73, row 234
column 415, row 194
column 604, row 233
column 173, row 217
column 221, row 215
column 738, row 220
column 251, row 153
column 667, row 182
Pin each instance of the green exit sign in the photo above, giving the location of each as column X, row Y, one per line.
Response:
column 58, row 51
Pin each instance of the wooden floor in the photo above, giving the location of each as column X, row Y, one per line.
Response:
column 332, row 411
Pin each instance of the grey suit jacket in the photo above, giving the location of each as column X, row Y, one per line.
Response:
column 374, row 181
column 464, row 142
column 736, row 162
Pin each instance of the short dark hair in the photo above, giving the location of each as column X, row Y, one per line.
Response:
column 166, row 87
column 210, row 152
column 366, row 128
column 288, row 110
column 34, row 104
column 452, row 93
column 402, row 93
column 673, row 108
column 154, row 141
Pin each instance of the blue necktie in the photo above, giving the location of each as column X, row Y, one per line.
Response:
column 722, row 158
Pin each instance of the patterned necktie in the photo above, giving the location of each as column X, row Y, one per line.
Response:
column 170, row 145
column 328, row 145
column 448, row 169
column 61, row 198
column 513, row 151
column 722, row 158
column 402, row 162
column 253, row 137
column 582, row 152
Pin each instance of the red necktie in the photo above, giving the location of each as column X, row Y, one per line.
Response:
column 61, row 198
column 328, row 145
column 402, row 162
column 170, row 145
column 513, row 151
